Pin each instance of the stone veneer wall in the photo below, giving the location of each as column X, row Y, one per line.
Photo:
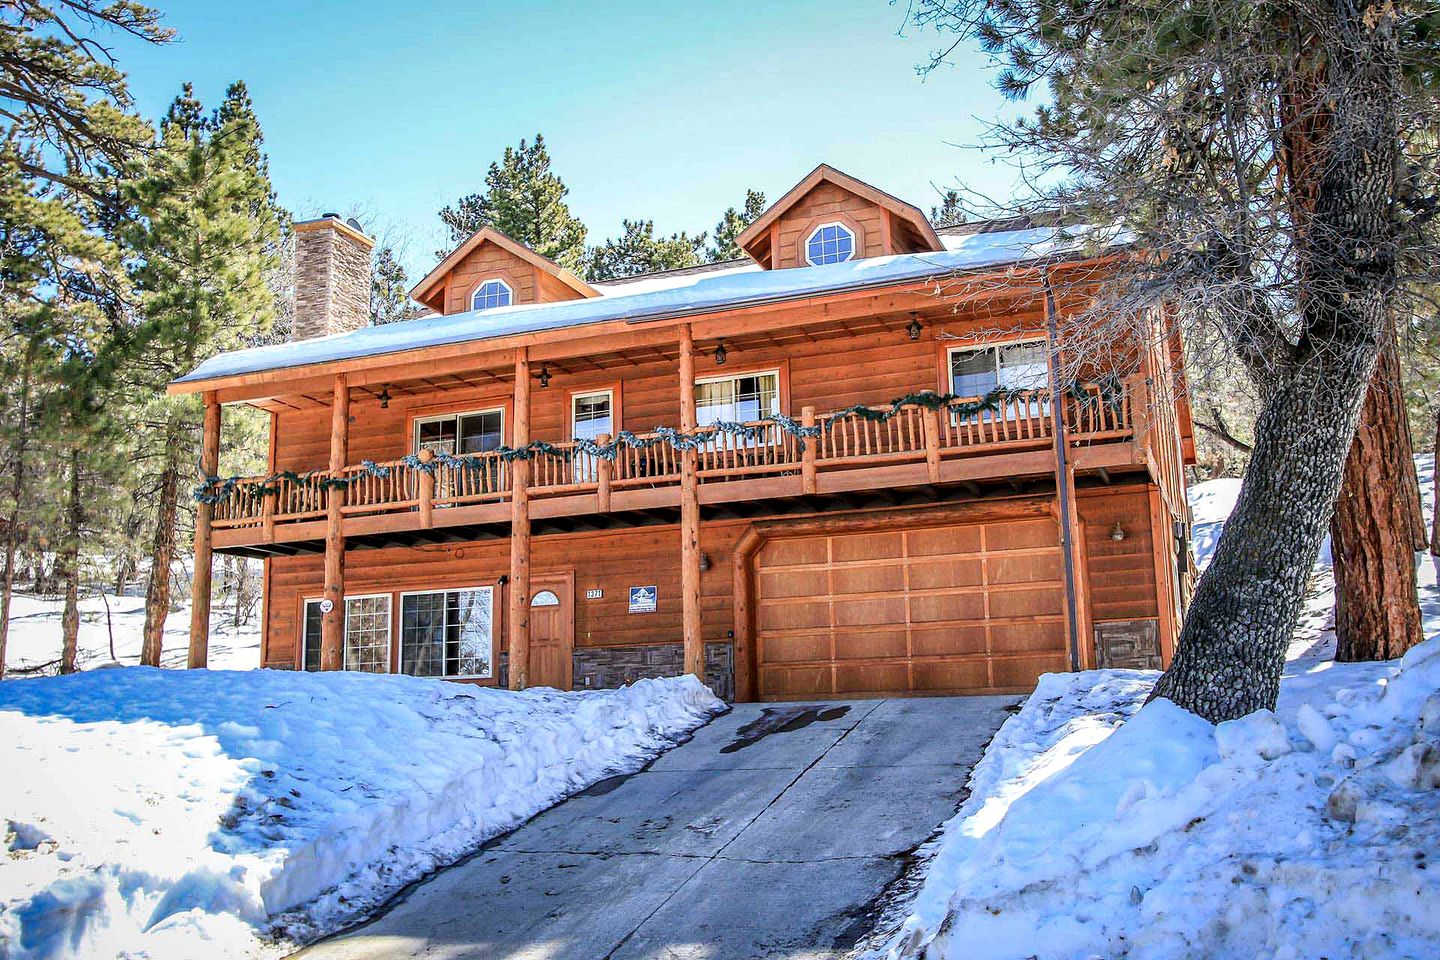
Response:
column 1127, row 645
column 332, row 279
column 609, row 667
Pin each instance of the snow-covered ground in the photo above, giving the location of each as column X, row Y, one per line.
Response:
column 189, row 814
column 1098, row 827
column 35, row 633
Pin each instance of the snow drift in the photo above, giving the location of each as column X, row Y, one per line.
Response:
column 153, row 813
column 1098, row 827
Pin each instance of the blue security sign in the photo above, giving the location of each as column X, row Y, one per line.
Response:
column 642, row 599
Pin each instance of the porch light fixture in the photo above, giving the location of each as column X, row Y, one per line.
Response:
column 704, row 561
column 544, row 377
column 384, row 398
column 720, row 354
column 913, row 329
column 1117, row 533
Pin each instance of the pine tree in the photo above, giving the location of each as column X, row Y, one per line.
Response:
column 524, row 200
column 950, row 213
column 389, row 289
column 733, row 223
column 638, row 251
column 50, row 257
column 206, row 239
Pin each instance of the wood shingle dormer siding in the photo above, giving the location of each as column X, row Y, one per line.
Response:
column 491, row 255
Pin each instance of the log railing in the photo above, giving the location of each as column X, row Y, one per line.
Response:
column 850, row 441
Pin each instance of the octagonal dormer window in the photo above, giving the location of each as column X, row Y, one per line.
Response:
column 829, row 243
column 491, row 294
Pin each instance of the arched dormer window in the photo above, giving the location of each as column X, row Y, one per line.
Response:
column 829, row 243
column 491, row 294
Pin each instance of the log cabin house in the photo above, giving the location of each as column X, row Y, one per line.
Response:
column 713, row 476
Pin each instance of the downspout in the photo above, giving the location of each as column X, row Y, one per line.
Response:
column 1062, row 470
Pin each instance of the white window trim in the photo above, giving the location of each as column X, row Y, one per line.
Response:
column 741, row 374
column 344, row 621
column 494, row 613
column 577, row 395
column 415, row 429
column 479, row 286
column 854, row 242
column 996, row 345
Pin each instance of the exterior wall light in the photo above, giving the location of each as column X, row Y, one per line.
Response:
column 1117, row 533
column 384, row 398
column 720, row 354
column 544, row 377
column 913, row 329
column 704, row 561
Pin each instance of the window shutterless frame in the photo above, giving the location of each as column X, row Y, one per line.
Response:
column 776, row 372
column 494, row 622
column 995, row 349
column 833, row 233
column 305, row 639
column 418, row 422
column 490, row 293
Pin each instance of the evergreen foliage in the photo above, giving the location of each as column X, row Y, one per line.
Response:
column 389, row 288
column 639, row 251
column 733, row 223
column 950, row 212
column 525, row 200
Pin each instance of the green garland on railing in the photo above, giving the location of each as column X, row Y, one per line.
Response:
column 214, row 489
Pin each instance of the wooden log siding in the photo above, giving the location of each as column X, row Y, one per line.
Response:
column 853, row 442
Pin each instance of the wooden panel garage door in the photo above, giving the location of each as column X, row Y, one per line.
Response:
column 970, row 608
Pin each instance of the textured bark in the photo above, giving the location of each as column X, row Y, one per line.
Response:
column 162, row 552
column 1232, row 648
column 1435, row 518
column 70, row 564
column 1377, row 527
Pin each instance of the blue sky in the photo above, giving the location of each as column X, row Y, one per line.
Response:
column 666, row 111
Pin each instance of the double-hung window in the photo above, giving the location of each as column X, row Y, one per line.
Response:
column 477, row 431
column 591, row 414
column 448, row 633
column 976, row 371
column 366, row 647
column 737, row 399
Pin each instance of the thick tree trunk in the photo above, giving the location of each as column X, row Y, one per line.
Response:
column 162, row 552
column 1244, row 609
column 70, row 563
column 1435, row 474
column 1377, row 527
column 1240, row 621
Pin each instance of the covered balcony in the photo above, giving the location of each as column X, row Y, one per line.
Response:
column 769, row 466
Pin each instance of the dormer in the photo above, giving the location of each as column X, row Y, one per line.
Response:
column 491, row 270
column 830, row 217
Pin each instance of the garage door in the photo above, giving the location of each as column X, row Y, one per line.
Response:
column 955, row 609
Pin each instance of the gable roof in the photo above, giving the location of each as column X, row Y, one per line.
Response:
column 905, row 211
column 490, row 235
column 685, row 295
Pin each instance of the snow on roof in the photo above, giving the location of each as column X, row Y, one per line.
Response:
column 652, row 299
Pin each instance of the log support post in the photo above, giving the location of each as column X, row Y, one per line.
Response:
column 694, row 643
column 810, row 454
column 427, row 491
column 604, row 476
column 932, row 444
column 204, row 513
column 520, row 530
column 332, row 621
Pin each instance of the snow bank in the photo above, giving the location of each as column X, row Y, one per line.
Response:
column 154, row 813
column 1096, row 827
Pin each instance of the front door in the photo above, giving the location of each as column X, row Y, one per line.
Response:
column 552, row 630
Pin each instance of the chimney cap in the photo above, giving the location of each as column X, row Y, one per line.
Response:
column 332, row 221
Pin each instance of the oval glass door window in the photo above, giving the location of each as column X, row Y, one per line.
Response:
column 545, row 598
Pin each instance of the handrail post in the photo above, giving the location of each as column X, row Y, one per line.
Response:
column 427, row 491
column 267, row 513
column 604, row 475
column 810, row 453
column 932, row 444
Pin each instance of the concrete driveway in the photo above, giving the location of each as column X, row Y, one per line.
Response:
column 772, row 833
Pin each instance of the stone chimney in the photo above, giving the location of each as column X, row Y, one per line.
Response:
column 332, row 277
